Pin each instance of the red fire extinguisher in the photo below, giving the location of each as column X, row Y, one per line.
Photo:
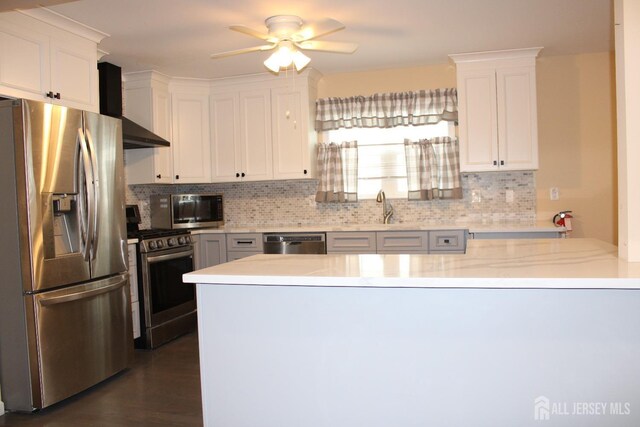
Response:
column 563, row 219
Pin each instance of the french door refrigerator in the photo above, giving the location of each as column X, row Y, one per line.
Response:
column 65, row 319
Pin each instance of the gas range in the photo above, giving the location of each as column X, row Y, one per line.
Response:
column 153, row 240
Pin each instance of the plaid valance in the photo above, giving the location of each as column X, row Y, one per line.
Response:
column 385, row 110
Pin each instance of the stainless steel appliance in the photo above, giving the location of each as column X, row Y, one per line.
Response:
column 187, row 211
column 294, row 243
column 65, row 319
column 169, row 305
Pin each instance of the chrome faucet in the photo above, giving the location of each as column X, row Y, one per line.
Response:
column 386, row 213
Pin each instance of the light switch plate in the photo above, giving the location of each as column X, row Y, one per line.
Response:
column 554, row 193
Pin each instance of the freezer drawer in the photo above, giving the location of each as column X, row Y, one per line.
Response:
column 84, row 336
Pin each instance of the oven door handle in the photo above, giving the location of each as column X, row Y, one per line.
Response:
column 178, row 253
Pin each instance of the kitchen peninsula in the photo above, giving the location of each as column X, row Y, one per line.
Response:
column 507, row 333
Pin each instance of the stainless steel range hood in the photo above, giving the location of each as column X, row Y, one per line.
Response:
column 136, row 136
column 133, row 135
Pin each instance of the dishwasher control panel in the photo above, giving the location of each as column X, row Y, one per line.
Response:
column 294, row 243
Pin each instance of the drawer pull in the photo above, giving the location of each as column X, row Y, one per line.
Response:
column 446, row 241
column 245, row 242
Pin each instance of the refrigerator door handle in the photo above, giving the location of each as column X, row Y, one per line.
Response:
column 86, row 196
column 96, row 195
column 81, row 295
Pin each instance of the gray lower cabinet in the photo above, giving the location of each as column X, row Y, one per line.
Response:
column 351, row 242
column 242, row 245
column 517, row 235
column 402, row 242
column 212, row 249
column 447, row 241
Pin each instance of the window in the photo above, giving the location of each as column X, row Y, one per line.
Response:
column 381, row 158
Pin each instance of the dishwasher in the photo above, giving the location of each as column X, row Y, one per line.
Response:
column 294, row 243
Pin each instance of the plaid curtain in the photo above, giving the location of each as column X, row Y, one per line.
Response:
column 386, row 110
column 337, row 172
column 433, row 169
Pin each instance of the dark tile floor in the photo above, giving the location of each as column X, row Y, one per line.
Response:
column 161, row 389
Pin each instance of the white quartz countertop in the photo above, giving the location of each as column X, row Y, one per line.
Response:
column 540, row 226
column 518, row 263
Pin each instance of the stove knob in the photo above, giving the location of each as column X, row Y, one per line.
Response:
column 187, row 239
column 152, row 245
column 160, row 244
column 171, row 241
column 181, row 240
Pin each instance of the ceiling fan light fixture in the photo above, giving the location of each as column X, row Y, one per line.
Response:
column 300, row 60
column 284, row 56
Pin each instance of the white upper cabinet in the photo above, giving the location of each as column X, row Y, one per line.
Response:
column 294, row 137
column 251, row 128
column 262, row 128
column 497, row 110
column 255, row 135
column 148, row 103
column 46, row 57
column 190, row 132
column 226, row 152
column 241, row 145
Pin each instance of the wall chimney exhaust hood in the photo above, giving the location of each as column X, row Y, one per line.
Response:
column 133, row 135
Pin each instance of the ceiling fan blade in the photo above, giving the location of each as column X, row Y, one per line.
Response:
column 314, row 30
column 253, row 33
column 245, row 50
column 324, row 46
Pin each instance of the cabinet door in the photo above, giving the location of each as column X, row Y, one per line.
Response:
column 213, row 249
column 358, row 242
column 24, row 62
column 255, row 135
column 291, row 153
column 74, row 74
column 191, row 148
column 149, row 107
column 226, row 150
column 162, row 158
column 517, row 118
column 402, row 242
column 478, row 125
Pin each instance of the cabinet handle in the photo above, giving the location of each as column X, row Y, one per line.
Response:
column 242, row 174
column 159, row 176
column 177, row 176
column 57, row 95
column 49, row 94
column 245, row 242
column 495, row 163
column 237, row 175
column 305, row 171
column 502, row 162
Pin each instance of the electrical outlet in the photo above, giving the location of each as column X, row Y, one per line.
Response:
column 509, row 194
column 476, row 197
column 554, row 193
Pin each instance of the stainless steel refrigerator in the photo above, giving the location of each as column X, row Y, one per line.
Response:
column 65, row 313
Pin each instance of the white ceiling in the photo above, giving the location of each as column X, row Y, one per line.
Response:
column 176, row 37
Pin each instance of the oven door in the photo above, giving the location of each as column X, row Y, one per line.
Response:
column 166, row 296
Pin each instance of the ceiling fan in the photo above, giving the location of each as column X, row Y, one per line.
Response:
column 289, row 34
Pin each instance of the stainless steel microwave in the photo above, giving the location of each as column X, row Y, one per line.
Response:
column 187, row 211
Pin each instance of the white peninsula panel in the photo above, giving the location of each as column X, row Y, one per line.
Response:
column 416, row 340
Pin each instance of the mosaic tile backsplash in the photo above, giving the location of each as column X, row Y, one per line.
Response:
column 275, row 203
